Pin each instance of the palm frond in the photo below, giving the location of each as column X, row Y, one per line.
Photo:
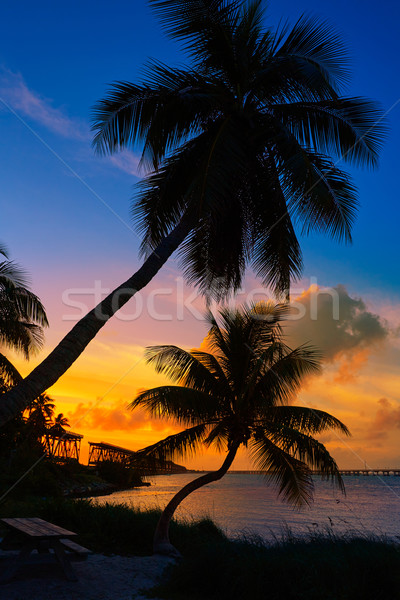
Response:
column 317, row 47
column 186, row 405
column 306, row 449
column 317, row 192
column 247, row 341
column 184, row 368
column 211, row 363
column 270, row 312
column 3, row 250
column 170, row 106
column 199, row 24
column 22, row 315
column 261, row 320
column 163, row 197
column 214, row 255
column 249, row 27
column 27, row 305
column 236, row 396
column 293, row 476
column 328, row 203
column 276, row 254
column 352, row 129
column 219, row 436
column 20, row 336
column 9, row 375
column 285, row 376
column 230, row 342
column 242, row 141
column 12, row 275
column 302, row 418
column 184, row 444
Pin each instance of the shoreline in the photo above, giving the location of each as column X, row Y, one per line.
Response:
column 98, row 489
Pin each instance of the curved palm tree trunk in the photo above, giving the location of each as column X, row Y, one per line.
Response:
column 74, row 343
column 161, row 543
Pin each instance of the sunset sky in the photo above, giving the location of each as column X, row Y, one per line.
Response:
column 66, row 219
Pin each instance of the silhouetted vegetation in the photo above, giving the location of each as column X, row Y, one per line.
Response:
column 118, row 474
column 322, row 567
column 113, row 529
column 22, row 316
column 46, row 478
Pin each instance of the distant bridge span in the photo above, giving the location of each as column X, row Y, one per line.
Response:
column 102, row 452
column 395, row 472
column 354, row 472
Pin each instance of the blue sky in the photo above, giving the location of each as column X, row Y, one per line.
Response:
column 67, row 53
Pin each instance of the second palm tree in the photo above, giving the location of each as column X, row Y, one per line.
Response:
column 238, row 395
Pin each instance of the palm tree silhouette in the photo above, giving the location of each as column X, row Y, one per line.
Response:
column 22, row 315
column 58, row 425
column 56, row 430
column 40, row 418
column 61, row 421
column 22, row 318
column 239, row 394
column 242, row 144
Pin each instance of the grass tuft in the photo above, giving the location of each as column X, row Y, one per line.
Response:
column 321, row 567
column 113, row 528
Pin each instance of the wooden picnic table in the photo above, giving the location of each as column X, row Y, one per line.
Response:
column 50, row 541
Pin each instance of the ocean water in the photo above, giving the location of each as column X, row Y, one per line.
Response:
column 245, row 504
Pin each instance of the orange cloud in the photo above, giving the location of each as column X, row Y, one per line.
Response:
column 114, row 417
column 349, row 366
column 387, row 417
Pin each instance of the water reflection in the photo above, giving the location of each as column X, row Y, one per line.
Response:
column 244, row 503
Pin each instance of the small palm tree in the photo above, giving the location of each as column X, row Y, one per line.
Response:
column 13, row 434
column 61, row 421
column 56, row 431
column 22, row 315
column 9, row 375
column 22, row 319
column 243, row 143
column 237, row 395
column 40, row 417
column 58, row 425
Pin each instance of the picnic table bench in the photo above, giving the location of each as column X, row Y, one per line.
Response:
column 52, row 543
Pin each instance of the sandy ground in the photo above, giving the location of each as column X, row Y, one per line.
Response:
column 100, row 578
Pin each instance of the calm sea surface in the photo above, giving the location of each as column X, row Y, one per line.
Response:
column 243, row 503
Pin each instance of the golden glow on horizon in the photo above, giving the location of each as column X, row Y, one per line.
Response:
column 360, row 385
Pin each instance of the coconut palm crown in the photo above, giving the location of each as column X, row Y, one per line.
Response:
column 22, row 315
column 239, row 395
column 244, row 142
column 22, row 318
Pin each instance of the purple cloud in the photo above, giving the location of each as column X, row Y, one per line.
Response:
column 15, row 94
column 126, row 161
